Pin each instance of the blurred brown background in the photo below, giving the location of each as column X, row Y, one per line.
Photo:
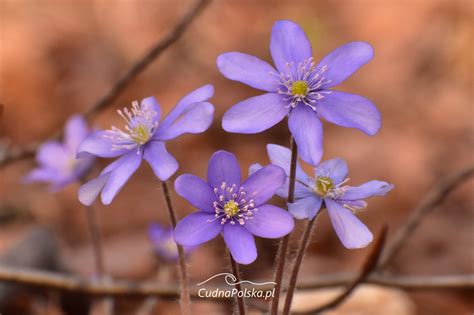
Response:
column 58, row 57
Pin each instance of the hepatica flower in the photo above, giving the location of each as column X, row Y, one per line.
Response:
column 164, row 244
column 143, row 137
column 57, row 160
column 329, row 186
column 234, row 208
column 299, row 87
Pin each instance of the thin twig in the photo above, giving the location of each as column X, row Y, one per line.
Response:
column 119, row 288
column 298, row 261
column 435, row 197
column 283, row 247
column 238, row 286
column 185, row 299
column 369, row 266
column 19, row 153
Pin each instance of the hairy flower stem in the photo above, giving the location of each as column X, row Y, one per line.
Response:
column 296, row 267
column 283, row 247
column 93, row 225
column 185, row 299
column 96, row 241
column 236, row 273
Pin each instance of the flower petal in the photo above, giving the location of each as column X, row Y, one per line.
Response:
column 305, row 208
column 289, row 43
column 249, row 70
column 119, row 176
column 307, row 130
column 281, row 156
column 196, row 191
column 254, row 167
column 163, row 164
column 335, row 168
column 89, row 192
column 241, row 243
column 300, row 189
column 41, row 174
column 196, row 118
column 223, row 168
column 151, row 104
column 54, row 155
column 98, row 144
column 255, row 114
column 76, row 130
column 197, row 228
column 350, row 110
column 263, row 184
column 369, row 189
column 201, row 94
column 350, row 230
column 270, row 222
column 342, row 62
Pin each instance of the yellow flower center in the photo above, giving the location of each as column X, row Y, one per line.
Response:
column 323, row 185
column 140, row 134
column 231, row 208
column 299, row 88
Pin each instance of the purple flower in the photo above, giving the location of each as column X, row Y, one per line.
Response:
column 328, row 185
column 143, row 137
column 237, row 209
column 163, row 242
column 57, row 161
column 299, row 87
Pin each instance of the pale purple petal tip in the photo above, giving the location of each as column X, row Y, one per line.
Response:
column 350, row 230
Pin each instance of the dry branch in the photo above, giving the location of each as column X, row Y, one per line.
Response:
column 62, row 282
column 11, row 155
column 435, row 197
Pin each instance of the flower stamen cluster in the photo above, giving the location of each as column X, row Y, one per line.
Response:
column 303, row 84
column 231, row 204
column 139, row 128
column 324, row 187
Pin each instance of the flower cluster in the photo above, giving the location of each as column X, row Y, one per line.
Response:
column 297, row 87
column 328, row 186
column 300, row 88
column 234, row 207
column 143, row 137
